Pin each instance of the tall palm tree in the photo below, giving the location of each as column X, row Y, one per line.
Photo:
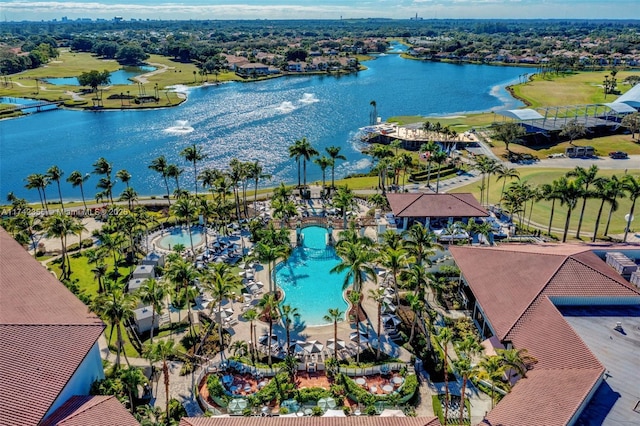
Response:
column 550, row 192
column 103, row 168
column 632, row 186
column 334, row 315
column 295, row 151
column 162, row 350
column 444, row 338
column 505, row 172
column 186, row 209
column 357, row 261
column 487, row 167
column 153, row 292
column 132, row 377
column 416, row 304
column 220, row 281
column 429, row 149
column 570, row 193
column 192, row 154
column 491, row 369
column 288, row 315
column 323, row 162
column 61, row 225
column 256, row 172
column 270, row 253
column 439, row 157
column 334, row 154
column 601, row 192
column 395, row 260
column 585, row 178
column 251, row 315
column 39, row 182
column 78, row 179
column 307, row 151
column 344, row 200
column 355, row 298
column 377, row 295
column 465, row 370
column 182, row 275
column 421, row 243
column 54, row 173
column 616, row 189
column 130, row 196
column 116, row 307
column 269, row 305
column 124, row 176
column 160, row 165
column 235, row 175
column 516, row 360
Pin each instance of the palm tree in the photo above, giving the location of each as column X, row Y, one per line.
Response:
column 269, row 305
column 116, row 307
column 162, row 350
column 295, row 151
column 570, row 192
column 132, row 377
column 518, row 360
column 632, row 186
column 416, row 304
column 61, row 225
column 186, row 209
column 307, row 151
column 153, row 292
column 355, row 298
column 464, row 369
column 439, row 157
column 256, row 172
column 160, row 165
column 130, row 196
column 251, row 315
column 124, row 176
column 505, row 172
column 182, row 275
column 55, row 174
column 444, row 337
column 585, row 177
column 344, row 200
column 549, row 191
column 39, row 182
column 601, row 192
column 288, row 314
column 220, row 281
column 270, row 253
column 323, row 162
column 193, row 154
column 334, row 154
column 334, row 315
column 429, row 149
column 487, row 167
column 395, row 260
column 173, row 171
column 381, row 155
column 356, row 260
column 78, row 179
column 421, row 243
column 377, row 295
column 103, row 168
column 491, row 369
column 616, row 188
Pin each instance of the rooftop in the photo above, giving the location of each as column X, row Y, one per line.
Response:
column 91, row 411
column 435, row 205
column 310, row 421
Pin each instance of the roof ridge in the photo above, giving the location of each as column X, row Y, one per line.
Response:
column 537, row 296
column 619, row 282
column 455, row 195
column 411, row 203
column 90, row 401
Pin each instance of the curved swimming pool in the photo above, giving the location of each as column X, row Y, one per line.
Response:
column 306, row 281
column 179, row 235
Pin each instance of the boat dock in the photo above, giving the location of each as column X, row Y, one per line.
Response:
column 412, row 135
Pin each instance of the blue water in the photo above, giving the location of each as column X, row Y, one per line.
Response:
column 122, row 76
column 250, row 121
column 306, row 281
column 180, row 236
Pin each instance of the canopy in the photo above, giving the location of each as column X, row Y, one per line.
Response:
column 522, row 114
column 237, row 404
column 265, row 340
column 334, row 413
column 391, row 319
column 621, row 107
column 327, row 403
column 313, row 347
column 332, row 343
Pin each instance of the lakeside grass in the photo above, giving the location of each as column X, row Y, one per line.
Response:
column 542, row 209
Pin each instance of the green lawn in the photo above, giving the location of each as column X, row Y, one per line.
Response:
column 542, row 209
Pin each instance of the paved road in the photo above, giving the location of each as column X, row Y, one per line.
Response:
column 633, row 162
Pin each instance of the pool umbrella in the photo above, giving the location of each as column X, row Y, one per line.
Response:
column 331, row 344
column 313, row 347
column 265, row 340
column 237, row 404
column 253, row 288
column 224, row 313
column 388, row 308
column 364, row 338
column 327, row 403
column 391, row 319
column 298, row 347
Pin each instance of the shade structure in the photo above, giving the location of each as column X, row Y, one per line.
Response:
column 392, row 413
column 391, row 319
column 334, row 413
column 237, row 404
column 313, row 347
column 364, row 338
column 388, row 308
column 224, row 312
column 299, row 347
column 327, row 403
column 332, row 344
column 266, row 340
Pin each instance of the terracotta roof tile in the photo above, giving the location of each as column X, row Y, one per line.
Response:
column 45, row 334
column 91, row 411
column 310, row 421
column 435, row 205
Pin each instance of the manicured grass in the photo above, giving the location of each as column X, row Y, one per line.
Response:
column 542, row 209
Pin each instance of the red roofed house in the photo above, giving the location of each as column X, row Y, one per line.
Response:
column 48, row 344
column 515, row 293
column 435, row 210
column 310, row 421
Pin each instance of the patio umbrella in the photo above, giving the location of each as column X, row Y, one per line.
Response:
column 224, row 312
column 388, row 308
column 391, row 319
column 364, row 338
column 237, row 404
column 253, row 288
column 331, row 344
column 298, row 347
column 266, row 340
column 327, row 403
column 313, row 347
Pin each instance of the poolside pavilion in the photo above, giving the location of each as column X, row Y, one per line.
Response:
column 552, row 300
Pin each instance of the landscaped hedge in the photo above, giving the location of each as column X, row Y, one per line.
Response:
column 312, row 395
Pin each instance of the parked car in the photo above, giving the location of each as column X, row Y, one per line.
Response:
column 618, row 155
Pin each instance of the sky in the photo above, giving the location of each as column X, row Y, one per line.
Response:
column 36, row 10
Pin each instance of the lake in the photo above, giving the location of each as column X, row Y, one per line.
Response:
column 121, row 76
column 250, row 121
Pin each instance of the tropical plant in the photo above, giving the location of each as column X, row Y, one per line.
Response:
column 516, row 360
column 78, row 179
column 61, row 225
column 632, row 186
column 160, row 165
column 186, row 209
column 182, row 275
column 193, row 154
column 570, row 192
column 269, row 253
column 39, row 182
column 445, row 336
column 429, row 149
column 416, row 303
column 377, row 295
column 357, row 261
column 395, row 260
column 344, row 200
column 585, row 178
column 103, row 168
column 616, row 190
column 251, row 315
column 334, row 154
column 334, row 315
column 54, row 173
column 288, row 315
column 124, row 176
column 439, row 157
column 355, row 299
column 269, row 305
column 162, row 351
column 132, row 377
column 323, row 162
column 491, row 369
column 153, row 292
column 508, row 133
column 505, row 172
column 573, row 130
column 256, row 172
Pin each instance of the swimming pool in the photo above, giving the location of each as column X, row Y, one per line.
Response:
column 306, row 281
column 180, row 236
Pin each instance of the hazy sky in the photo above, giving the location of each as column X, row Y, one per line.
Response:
column 16, row 10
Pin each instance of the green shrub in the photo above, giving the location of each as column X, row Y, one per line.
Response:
column 437, row 408
column 316, row 411
column 410, row 385
column 371, row 410
column 311, row 395
column 214, row 386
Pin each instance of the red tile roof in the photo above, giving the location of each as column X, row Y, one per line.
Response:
column 45, row 334
column 310, row 421
column 435, row 205
column 516, row 286
column 91, row 411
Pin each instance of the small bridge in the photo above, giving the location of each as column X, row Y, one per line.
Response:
column 39, row 106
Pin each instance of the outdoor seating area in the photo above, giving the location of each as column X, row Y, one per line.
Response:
column 381, row 384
